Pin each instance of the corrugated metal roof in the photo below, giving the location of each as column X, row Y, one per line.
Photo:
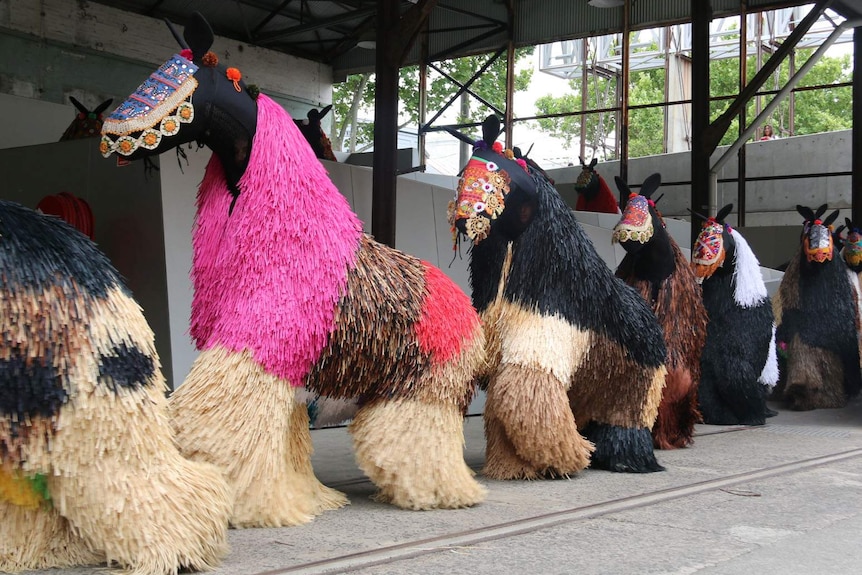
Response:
column 329, row 31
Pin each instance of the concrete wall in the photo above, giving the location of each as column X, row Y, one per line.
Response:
column 52, row 49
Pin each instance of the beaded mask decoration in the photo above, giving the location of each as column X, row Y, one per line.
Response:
column 709, row 252
column 636, row 224
column 482, row 192
column 817, row 243
column 156, row 109
column 853, row 247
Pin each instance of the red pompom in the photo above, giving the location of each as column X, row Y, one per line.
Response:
column 497, row 147
column 187, row 54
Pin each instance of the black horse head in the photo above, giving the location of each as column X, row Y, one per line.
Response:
column 714, row 246
column 87, row 123
column 312, row 130
column 588, row 183
column 191, row 97
column 495, row 192
column 817, row 242
column 853, row 246
column 641, row 224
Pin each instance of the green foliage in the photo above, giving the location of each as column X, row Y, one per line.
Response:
column 490, row 86
column 815, row 111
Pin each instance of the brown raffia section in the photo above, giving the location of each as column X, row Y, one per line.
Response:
column 787, row 296
column 40, row 539
column 116, row 473
column 606, row 388
column 232, row 413
column 815, row 378
column 374, row 319
column 413, row 452
column 680, row 312
column 529, row 427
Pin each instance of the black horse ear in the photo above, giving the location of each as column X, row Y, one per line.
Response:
column 313, row 115
column 81, row 108
column 723, row 213
column 848, row 224
column 806, row 212
column 491, row 129
column 818, row 213
column 199, row 35
column 622, row 186
column 831, row 218
column 325, row 111
column 103, row 106
column 593, row 163
column 650, row 185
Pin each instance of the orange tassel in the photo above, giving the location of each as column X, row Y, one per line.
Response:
column 234, row 75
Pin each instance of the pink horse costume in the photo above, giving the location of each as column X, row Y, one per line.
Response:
column 292, row 301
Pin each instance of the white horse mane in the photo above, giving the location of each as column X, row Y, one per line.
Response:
column 750, row 289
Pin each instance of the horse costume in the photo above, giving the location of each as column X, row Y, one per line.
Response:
column 657, row 269
column 89, row 471
column 594, row 195
column 87, row 123
column 571, row 348
column 292, row 301
column 739, row 365
column 315, row 136
column 815, row 310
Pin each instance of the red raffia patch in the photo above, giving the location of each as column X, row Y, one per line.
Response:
column 447, row 320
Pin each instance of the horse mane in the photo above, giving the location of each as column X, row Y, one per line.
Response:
column 750, row 290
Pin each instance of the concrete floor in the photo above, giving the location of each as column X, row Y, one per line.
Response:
column 785, row 498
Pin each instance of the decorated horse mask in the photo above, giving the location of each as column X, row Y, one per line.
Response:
column 637, row 225
column 853, row 245
column 713, row 244
column 588, row 182
column 817, row 242
column 487, row 181
column 180, row 101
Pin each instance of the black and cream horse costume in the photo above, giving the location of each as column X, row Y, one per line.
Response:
column 815, row 310
column 572, row 350
column 739, row 366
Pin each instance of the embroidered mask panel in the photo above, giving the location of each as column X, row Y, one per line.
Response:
column 156, row 109
column 636, row 224
column 853, row 248
column 817, row 243
column 709, row 253
column 481, row 198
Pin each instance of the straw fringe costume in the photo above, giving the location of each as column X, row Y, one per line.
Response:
column 739, row 365
column 293, row 303
column 815, row 310
column 89, row 469
column 571, row 349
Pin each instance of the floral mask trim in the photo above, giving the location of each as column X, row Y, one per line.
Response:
column 636, row 224
column 481, row 197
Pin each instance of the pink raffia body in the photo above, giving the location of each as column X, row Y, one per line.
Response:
column 273, row 276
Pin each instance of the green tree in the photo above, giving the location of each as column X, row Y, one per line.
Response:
column 815, row 111
column 354, row 99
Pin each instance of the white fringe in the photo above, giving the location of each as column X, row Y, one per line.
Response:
column 750, row 288
column 769, row 375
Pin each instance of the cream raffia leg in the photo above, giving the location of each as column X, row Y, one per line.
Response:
column 232, row 413
column 413, row 452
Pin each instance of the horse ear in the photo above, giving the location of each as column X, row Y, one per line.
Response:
column 79, row 105
column 491, row 129
column 622, row 186
column 313, row 115
column 820, row 211
column 650, row 185
column 832, row 217
column 325, row 111
column 723, row 212
column 806, row 212
column 593, row 163
column 848, row 224
column 103, row 106
column 583, row 163
column 199, row 35
column 517, row 152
